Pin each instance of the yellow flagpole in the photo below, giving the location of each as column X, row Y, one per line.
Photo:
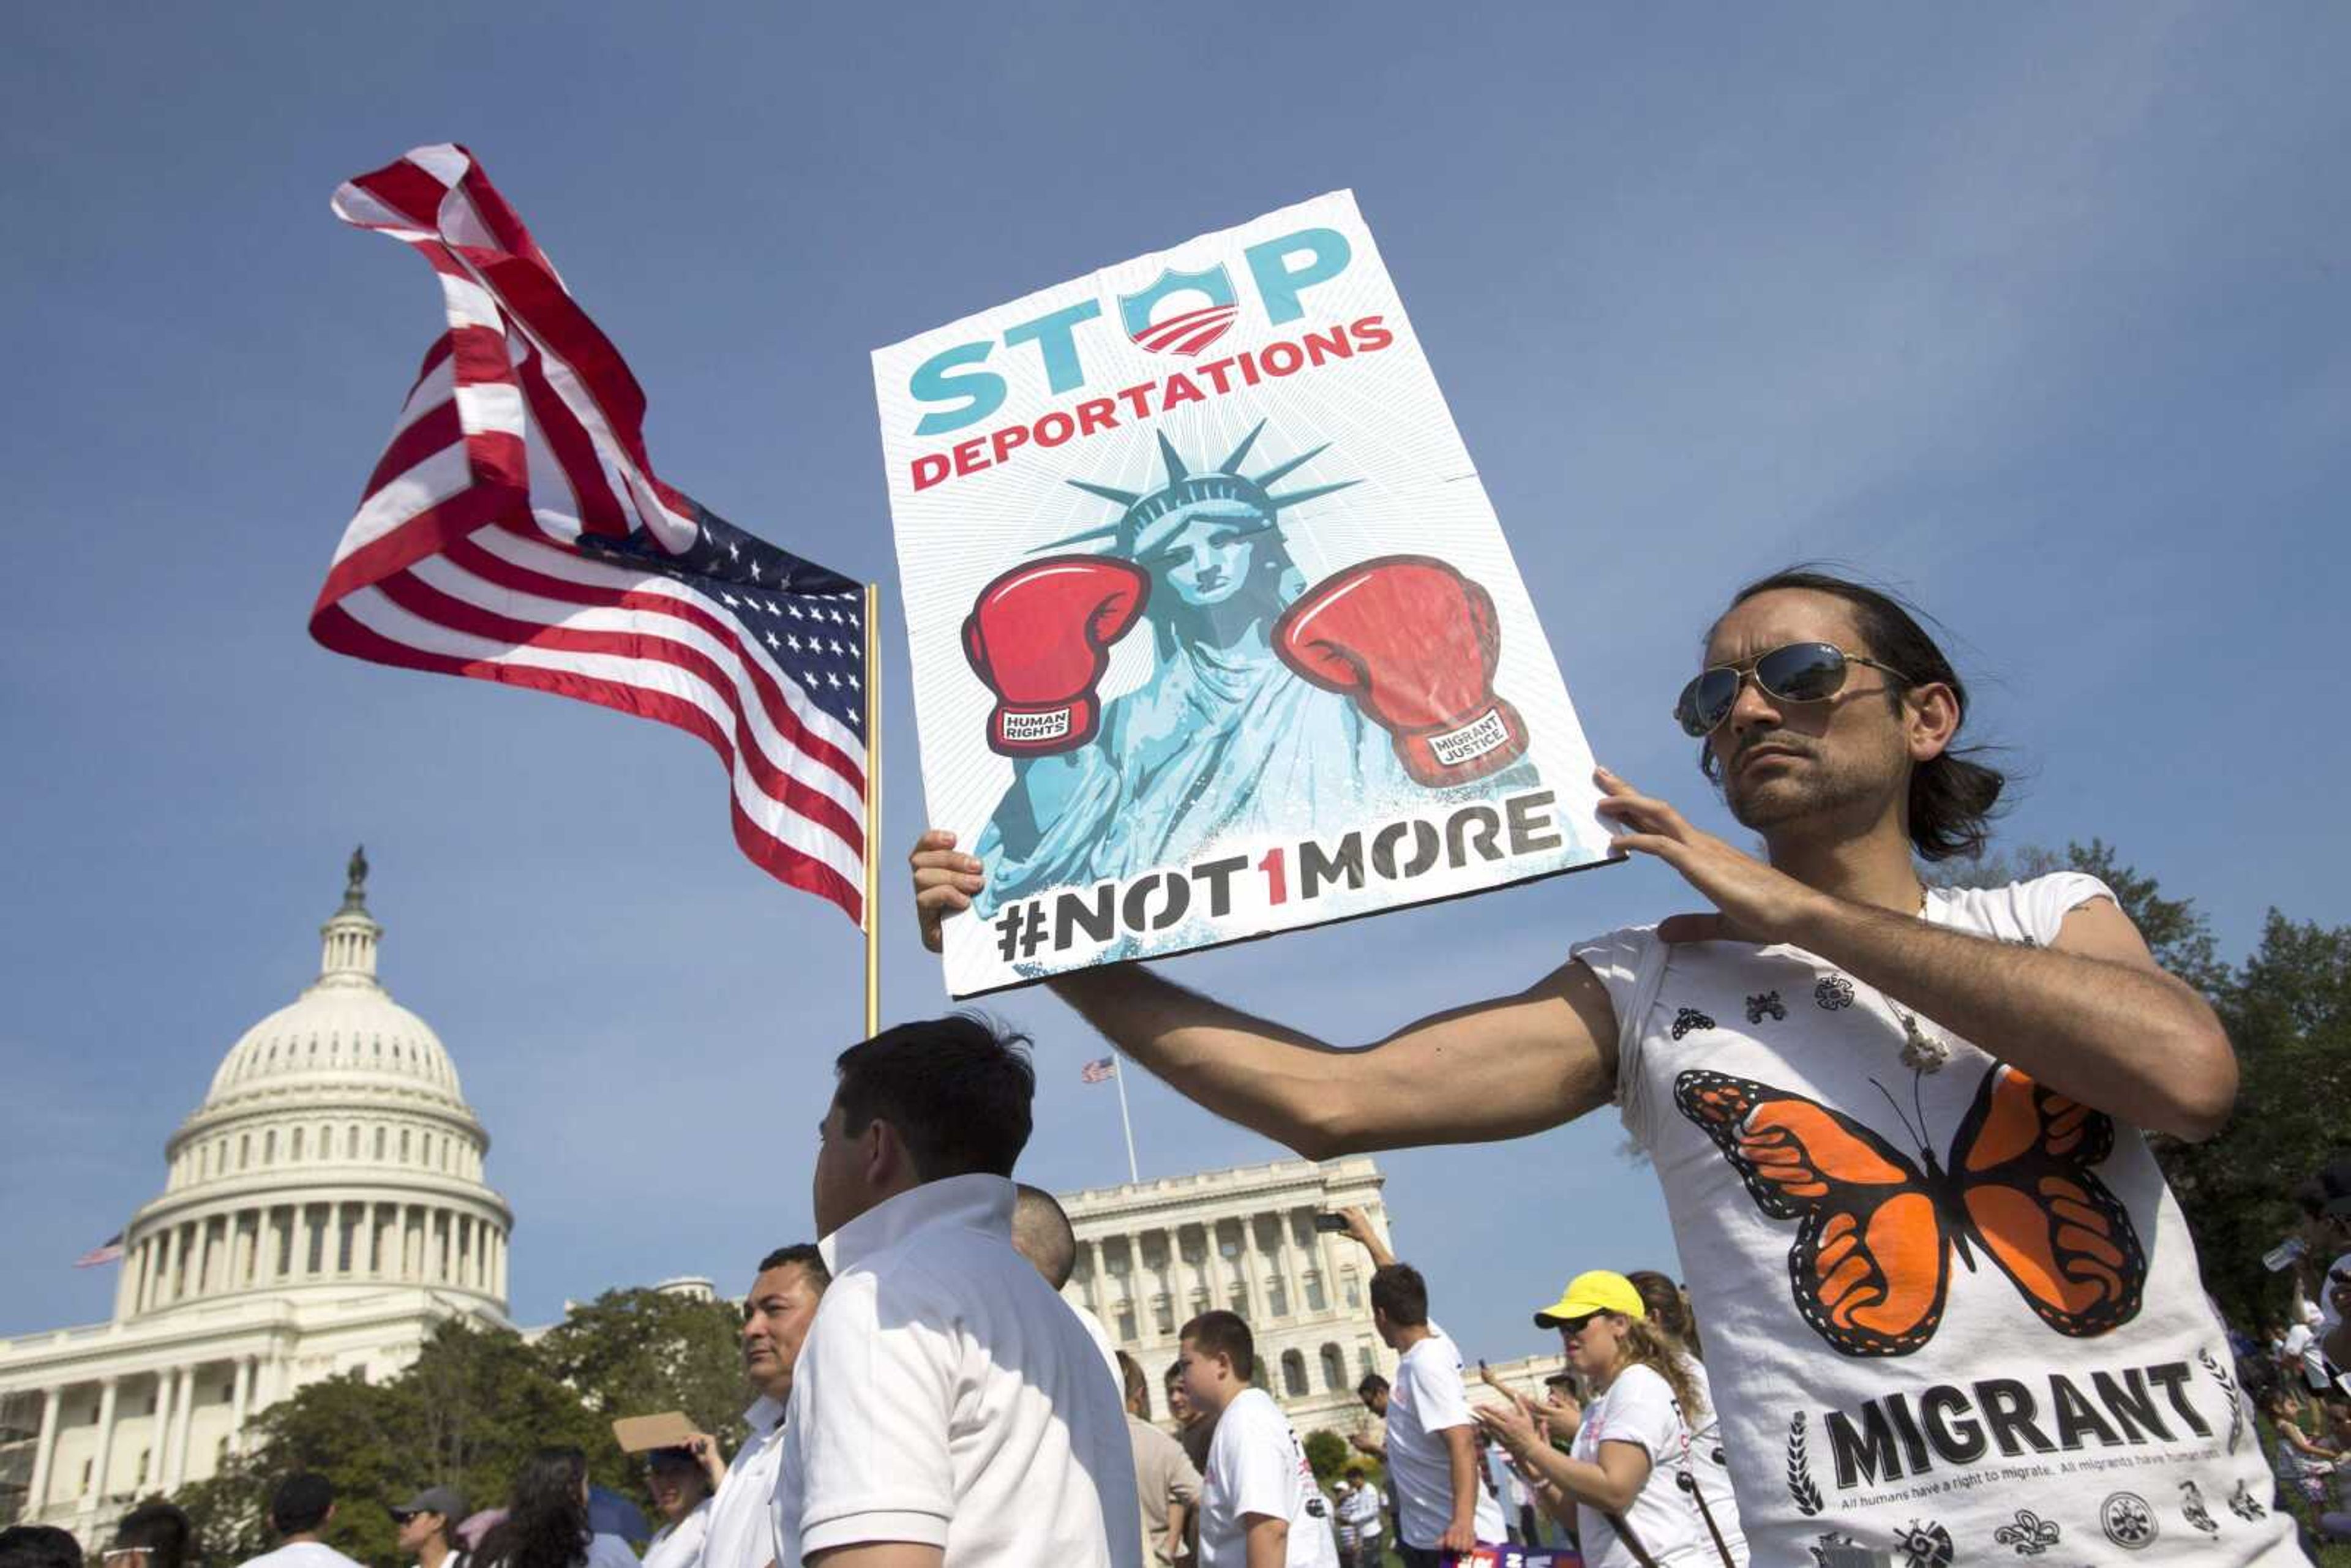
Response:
column 873, row 922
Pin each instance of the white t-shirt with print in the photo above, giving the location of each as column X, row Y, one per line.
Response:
column 1257, row 1465
column 1953, row 1312
column 1639, row 1409
column 1426, row 1397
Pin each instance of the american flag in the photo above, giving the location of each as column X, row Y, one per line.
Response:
column 514, row 530
column 1101, row 1071
column 107, row 1251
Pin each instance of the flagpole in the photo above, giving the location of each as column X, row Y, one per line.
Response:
column 873, row 903
column 1118, row 1070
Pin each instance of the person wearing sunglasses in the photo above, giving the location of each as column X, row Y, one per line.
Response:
column 1618, row 1489
column 428, row 1528
column 1897, row 1127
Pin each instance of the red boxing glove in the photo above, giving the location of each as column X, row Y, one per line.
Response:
column 1040, row 636
column 1415, row 644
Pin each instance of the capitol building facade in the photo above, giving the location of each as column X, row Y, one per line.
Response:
column 324, row 1211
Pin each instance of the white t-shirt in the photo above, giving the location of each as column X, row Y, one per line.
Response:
column 2061, row 1376
column 1256, row 1464
column 609, row 1551
column 1639, row 1409
column 1426, row 1397
column 946, row 1396
column 737, row 1533
column 1102, row 1343
column 300, row 1554
column 679, row 1544
column 2307, row 1352
column 1359, row 1511
column 1710, row 1468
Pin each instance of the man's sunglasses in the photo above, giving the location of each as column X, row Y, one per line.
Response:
column 1799, row 673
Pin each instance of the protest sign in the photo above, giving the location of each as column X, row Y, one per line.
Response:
column 1213, row 629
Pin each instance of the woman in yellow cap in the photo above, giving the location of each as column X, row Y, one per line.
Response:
column 1620, row 1489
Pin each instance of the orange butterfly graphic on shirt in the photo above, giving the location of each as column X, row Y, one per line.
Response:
column 1871, row 1265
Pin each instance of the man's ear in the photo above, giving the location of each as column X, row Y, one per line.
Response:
column 1931, row 718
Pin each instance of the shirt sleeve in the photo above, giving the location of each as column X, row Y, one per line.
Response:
column 2047, row 901
column 1263, row 1467
column 873, row 1404
column 1616, row 959
column 1641, row 1410
column 1437, row 1394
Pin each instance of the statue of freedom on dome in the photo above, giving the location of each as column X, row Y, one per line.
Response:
column 1223, row 739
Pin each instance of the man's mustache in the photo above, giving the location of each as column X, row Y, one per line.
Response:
column 1776, row 740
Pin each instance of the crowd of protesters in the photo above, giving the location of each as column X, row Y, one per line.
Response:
column 928, row 1399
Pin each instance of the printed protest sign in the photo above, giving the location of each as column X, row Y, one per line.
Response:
column 1213, row 632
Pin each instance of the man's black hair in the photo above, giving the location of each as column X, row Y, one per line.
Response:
column 159, row 1530
column 1399, row 1290
column 958, row 1089
column 1373, row 1382
column 1224, row 1333
column 1952, row 795
column 300, row 1504
column 38, row 1546
column 806, row 1257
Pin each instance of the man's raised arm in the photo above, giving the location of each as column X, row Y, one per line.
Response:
column 1498, row 1069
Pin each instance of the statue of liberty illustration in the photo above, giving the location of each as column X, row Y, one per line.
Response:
column 1267, row 707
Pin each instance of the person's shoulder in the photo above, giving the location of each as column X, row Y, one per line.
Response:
column 1614, row 954
column 2030, row 910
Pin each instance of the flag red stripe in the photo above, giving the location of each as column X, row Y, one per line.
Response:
column 575, row 451
column 426, row 435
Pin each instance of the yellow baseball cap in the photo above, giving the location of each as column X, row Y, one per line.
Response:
column 1597, row 1291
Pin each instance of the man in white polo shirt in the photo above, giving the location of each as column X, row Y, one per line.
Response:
column 775, row 1319
column 949, row 1410
column 1260, row 1507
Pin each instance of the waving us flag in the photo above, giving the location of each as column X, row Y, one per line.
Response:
column 514, row 530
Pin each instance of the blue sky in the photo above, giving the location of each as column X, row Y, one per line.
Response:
column 2040, row 312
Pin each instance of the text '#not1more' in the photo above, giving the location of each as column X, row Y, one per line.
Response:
column 1517, row 827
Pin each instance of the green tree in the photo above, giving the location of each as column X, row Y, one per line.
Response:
column 2288, row 1013
column 636, row 1353
column 1326, row 1451
column 466, row 1414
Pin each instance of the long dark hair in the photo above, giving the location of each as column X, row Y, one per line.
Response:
column 1667, row 1308
column 1953, row 797
column 546, row 1524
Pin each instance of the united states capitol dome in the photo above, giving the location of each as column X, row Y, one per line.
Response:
column 334, row 1150
column 344, row 1028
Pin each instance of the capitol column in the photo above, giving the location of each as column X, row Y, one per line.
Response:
column 44, row 1450
column 162, row 1277
column 241, row 1403
column 502, row 1265
column 99, row 1467
column 1294, row 1276
column 183, row 1420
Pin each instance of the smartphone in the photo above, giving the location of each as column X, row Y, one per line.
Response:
column 1335, row 1223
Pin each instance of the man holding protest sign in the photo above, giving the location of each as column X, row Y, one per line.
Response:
column 1953, row 1296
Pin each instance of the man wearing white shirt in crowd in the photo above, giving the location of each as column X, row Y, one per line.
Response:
column 949, row 1410
column 776, row 1318
column 299, row 1511
column 1260, row 1507
column 1041, row 1233
column 1431, row 1447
